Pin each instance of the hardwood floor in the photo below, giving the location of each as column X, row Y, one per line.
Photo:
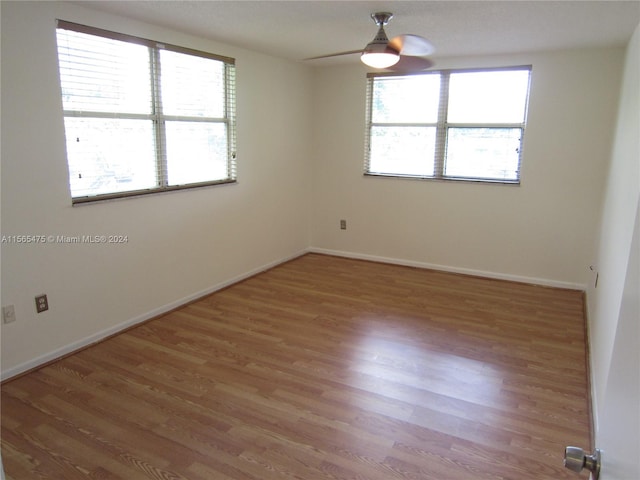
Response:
column 321, row 368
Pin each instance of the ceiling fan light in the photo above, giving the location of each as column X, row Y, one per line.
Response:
column 377, row 55
column 380, row 60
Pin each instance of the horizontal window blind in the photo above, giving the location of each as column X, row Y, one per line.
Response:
column 447, row 124
column 141, row 116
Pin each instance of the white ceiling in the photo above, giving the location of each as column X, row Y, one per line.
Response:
column 299, row 29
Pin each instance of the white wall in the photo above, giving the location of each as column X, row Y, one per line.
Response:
column 616, row 227
column 181, row 244
column 539, row 231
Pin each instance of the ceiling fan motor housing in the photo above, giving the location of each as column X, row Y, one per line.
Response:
column 380, row 43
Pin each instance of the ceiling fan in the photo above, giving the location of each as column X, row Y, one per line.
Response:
column 404, row 53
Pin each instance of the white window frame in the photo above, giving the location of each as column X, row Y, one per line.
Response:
column 442, row 127
column 157, row 116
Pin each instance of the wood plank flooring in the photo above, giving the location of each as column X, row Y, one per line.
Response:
column 321, row 368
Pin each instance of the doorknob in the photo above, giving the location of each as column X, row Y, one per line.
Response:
column 575, row 459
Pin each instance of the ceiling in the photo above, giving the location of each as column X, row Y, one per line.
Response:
column 300, row 29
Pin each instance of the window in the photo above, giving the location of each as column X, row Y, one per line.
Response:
column 143, row 117
column 453, row 125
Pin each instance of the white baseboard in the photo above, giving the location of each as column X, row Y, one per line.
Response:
column 101, row 335
column 445, row 268
column 595, row 424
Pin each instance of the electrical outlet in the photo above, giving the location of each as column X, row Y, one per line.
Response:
column 8, row 314
column 343, row 224
column 42, row 304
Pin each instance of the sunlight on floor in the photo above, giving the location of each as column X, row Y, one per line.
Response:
column 394, row 356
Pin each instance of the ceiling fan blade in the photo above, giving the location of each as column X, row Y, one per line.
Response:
column 413, row 45
column 350, row 52
column 410, row 64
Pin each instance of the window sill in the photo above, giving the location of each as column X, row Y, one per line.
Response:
column 445, row 179
column 150, row 191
